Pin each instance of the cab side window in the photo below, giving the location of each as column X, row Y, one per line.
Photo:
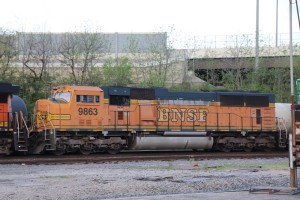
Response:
column 87, row 99
column 97, row 98
column 90, row 99
column 78, row 98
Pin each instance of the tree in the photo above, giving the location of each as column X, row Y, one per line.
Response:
column 240, row 48
column 82, row 52
column 152, row 59
column 34, row 51
column 157, row 59
column 37, row 54
column 8, row 54
column 117, row 73
column 135, row 51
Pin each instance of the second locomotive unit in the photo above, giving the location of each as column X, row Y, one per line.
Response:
column 91, row 119
column 14, row 132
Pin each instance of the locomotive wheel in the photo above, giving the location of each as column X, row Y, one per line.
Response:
column 21, row 153
column 248, row 149
column 60, row 149
column 114, row 149
column 85, row 150
column 268, row 147
column 225, row 147
column 6, row 151
column 59, row 152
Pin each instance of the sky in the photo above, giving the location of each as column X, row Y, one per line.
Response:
column 184, row 18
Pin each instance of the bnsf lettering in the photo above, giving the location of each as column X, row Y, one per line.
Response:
column 87, row 111
column 182, row 114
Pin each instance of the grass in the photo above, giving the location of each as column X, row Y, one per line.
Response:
column 195, row 164
column 251, row 166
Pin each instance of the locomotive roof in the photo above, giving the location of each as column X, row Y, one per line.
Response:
column 165, row 94
column 9, row 88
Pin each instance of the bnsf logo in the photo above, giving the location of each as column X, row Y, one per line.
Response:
column 182, row 114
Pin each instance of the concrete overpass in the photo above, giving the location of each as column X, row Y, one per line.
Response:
column 240, row 57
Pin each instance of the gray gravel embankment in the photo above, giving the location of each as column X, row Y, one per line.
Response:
column 125, row 179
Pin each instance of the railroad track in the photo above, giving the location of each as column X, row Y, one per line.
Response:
column 136, row 156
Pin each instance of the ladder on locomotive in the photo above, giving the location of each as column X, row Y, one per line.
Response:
column 282, row 133
column 49, row 136
column 20, row 132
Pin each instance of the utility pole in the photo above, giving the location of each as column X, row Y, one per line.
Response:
column 257, row 36
column 117, row 47
column 276, row 40
column 292, row 143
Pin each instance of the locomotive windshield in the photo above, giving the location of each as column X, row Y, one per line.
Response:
column 62, row 97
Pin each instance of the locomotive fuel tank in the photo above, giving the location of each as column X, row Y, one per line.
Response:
column 284, row 116
column 170, row 141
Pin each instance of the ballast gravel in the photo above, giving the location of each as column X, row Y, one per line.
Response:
column 145, row 178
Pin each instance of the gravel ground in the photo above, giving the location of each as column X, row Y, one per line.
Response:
column 129, row 179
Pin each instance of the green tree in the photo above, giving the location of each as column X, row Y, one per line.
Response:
column 117, row 73
column 82, row 52
column 8, row 54
column 240, row 48
column 152, row 58
column 36, row 53
column 270, row 80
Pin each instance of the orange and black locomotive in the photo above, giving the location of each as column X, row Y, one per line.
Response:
column 91, row 119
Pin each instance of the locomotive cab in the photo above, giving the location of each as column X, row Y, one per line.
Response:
column 70, row 108
column 69, row 118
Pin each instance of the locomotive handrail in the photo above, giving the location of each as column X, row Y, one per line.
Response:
column 22, row 117
column 238, row 123
column 286, row 132
column 127, row 118
column 233, row 121
column 54, row 132
column 53, row 128
column 18, row 128
column 42, row 120
column 279, row 121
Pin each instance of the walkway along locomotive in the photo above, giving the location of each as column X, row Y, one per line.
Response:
column 91, row 119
